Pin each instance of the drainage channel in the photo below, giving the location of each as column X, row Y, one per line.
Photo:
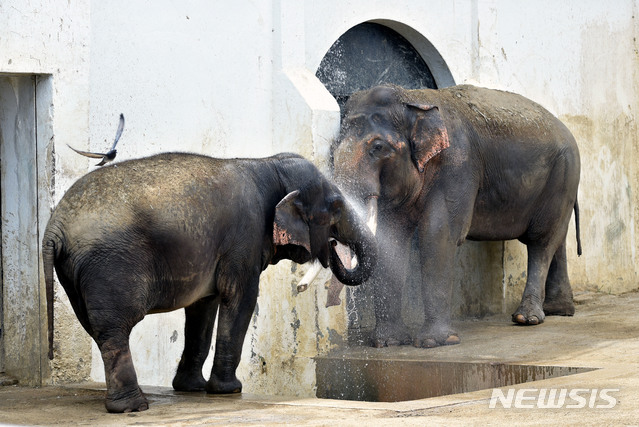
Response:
column 373, row 380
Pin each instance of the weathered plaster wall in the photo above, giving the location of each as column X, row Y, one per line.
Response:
column 20, row 319
column 49, row 40
column 237, row 79
column 579, row 60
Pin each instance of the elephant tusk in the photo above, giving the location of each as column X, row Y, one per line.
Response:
column 310, row 275
column 350, row 261
column 344, row 252
column 371, row 214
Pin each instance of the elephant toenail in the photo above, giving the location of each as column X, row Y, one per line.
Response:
column 452, row 340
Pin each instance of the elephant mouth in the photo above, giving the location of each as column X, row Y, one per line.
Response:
column 346, row 256
column 345, row 253
column 342, row 253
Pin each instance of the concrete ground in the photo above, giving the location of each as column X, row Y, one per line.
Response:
column 604, row 334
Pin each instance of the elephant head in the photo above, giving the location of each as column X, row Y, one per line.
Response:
column 307, row 224
column 385, row 144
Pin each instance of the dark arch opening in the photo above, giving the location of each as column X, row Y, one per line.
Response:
column 370, row 54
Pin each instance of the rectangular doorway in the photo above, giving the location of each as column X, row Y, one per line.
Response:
column 25, row 136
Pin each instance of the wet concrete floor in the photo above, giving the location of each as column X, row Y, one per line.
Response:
column 603, row 334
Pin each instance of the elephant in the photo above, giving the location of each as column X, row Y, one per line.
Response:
column 179, row 230
column 447, row 165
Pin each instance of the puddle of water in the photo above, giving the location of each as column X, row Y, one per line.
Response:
column 399, row 380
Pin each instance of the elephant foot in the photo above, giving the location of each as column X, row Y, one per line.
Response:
column 132, row 402
column 435, row 338
column 186, row 381
column 389, row 334
column 560, row 305
column 529, row 312
column 216, row 386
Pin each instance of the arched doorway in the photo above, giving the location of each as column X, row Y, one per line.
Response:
column 370, row 54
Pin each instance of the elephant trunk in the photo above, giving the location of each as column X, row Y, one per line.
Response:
column 352, row 232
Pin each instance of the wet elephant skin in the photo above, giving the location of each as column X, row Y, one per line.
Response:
column 454, row 164
column 187, row 231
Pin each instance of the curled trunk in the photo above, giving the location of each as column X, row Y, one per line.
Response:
column 352, row 232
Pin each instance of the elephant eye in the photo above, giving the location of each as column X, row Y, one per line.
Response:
column 322, row 218
column 377, row 148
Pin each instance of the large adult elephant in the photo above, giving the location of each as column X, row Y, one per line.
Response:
column 188, row 231
column 455, row 164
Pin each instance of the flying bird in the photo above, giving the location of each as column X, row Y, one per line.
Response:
column 108, row 156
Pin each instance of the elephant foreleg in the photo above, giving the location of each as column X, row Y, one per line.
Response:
column 233, row 322
column 387, row 283
column 438, row 237
column 198, row 332
column 437, row 297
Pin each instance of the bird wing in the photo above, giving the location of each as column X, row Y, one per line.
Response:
column 87, row 153
column 118, row 134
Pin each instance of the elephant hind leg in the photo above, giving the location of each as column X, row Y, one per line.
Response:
column 559, row 299
column 198, row 332
column 546, row 241
column 123, row 391
column 112, row 316
column 530, row 310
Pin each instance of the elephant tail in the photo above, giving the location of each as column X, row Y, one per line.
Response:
column 577, row 228
column 49, row 244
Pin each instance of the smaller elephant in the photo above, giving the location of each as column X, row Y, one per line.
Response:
column 454, row 164
column 188, row 231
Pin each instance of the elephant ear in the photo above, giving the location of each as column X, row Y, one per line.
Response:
column 428, row 134
column 289, row 227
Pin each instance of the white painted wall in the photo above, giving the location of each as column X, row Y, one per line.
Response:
column 189, row 76
column 237, row 79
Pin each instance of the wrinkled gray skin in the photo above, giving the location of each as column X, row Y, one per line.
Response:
column 187, row 231
column 455, row 164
